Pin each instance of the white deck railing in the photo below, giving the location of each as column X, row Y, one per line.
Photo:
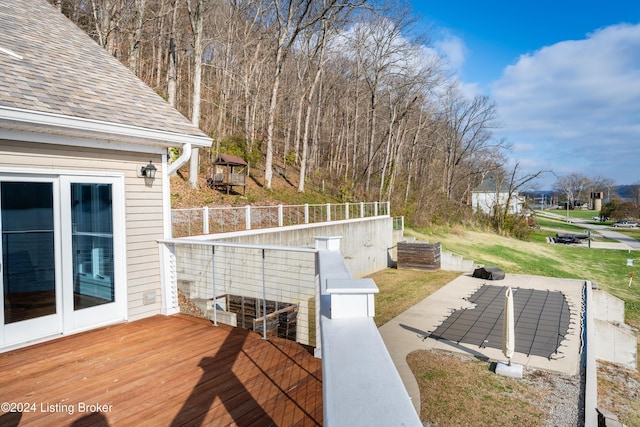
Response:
column 210, row 220
column 261, row 288
column 361, row 385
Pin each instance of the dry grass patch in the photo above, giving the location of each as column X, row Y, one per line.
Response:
column 619, row 392
column 456, row 390
column 491, row 249
column 402, row 289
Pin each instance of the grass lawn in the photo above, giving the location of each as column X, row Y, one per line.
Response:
column 466, row 388
column 607, row 267
column 401, row 289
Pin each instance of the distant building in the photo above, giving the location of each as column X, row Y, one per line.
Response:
column 489, row 195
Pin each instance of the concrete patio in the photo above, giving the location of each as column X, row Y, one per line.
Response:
column 410, row 331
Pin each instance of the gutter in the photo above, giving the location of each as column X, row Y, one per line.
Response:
column 184, row 158
column 102, row 131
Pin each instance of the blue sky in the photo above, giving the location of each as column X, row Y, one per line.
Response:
column 565, row 76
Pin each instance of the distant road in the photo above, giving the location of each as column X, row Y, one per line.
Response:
column 605, row 231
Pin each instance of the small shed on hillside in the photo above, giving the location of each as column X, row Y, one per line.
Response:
column 228, row 171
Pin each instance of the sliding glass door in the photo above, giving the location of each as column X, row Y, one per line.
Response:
column 92, row 245
column 60, row 238
column 30, row 261
column 92, row 234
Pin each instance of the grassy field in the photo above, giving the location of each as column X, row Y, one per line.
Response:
column 467, row 394
column 607, row 267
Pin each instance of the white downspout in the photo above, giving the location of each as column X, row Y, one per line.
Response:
column 184, row 158
column 168, row 283
column 169, row 170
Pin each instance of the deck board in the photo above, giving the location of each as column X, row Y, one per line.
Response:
column 164, row 370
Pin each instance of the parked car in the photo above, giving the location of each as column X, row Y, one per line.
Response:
column 625, row 224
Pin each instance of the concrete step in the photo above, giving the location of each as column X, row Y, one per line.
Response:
column 452, row 262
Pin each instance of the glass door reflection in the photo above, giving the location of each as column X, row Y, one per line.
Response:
column 92, row 244
column 28, row 254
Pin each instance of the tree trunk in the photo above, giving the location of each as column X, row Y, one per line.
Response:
column 171, row 85
column 196, row 17
column 134, row 49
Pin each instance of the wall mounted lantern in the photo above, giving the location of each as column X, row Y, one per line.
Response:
column 148, row 171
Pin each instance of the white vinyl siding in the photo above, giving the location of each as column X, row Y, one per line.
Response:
column 143, row 205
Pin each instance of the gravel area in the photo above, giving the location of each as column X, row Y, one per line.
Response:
column 560, row 396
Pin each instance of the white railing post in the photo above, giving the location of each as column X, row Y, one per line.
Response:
column 213, row 279
column 205, row 220
column 375, row 208
column 247, row 218
column 280, row 221
column 169, row 279
column 306, row 213
column 328, row 212
column 388, row 207
column 346, row 210
column 361, row 209
column 264, row 298
column 351, row 298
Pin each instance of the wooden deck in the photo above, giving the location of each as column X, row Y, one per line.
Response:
column 162, row 371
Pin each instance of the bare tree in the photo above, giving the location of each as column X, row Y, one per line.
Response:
column 172, row 72
column 196, row 18
column 510, row 183
column 574, row 185
column 465, row 134
column 290, row 18
column 136, row 36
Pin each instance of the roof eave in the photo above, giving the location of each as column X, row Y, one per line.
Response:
column 82, row 129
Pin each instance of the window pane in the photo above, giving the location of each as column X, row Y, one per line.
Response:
column 28, row 256
column 92, row 244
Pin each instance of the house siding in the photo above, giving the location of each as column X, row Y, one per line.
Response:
column 142, row 228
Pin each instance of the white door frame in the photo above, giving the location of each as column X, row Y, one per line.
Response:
column 66, row 320
column 36, row 328
column 88, row 318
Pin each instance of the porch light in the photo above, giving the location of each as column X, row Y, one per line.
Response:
column 148, row 171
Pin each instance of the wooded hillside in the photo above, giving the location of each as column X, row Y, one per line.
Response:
column 348, row 91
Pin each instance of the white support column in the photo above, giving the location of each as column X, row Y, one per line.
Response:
column 247, row 217
column 169, row 279
column 388, row 207
column 328, row 212
column 375, row 208
column 361, row 209
column 346, row 210
column 280, row 220
column 306, row 213
column 205, row 220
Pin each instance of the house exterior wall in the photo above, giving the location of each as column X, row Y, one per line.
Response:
column 143, row 206
column 484, row 201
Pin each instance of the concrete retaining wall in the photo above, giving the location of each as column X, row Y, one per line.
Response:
column 366, row 244
column 607, row 307
column 615, row 344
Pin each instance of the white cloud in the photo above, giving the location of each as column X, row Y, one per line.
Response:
column 453, row 49
column 578, row 102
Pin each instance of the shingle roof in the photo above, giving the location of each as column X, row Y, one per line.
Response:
column 229, row 159
column 489, row 186
column 63, row 71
